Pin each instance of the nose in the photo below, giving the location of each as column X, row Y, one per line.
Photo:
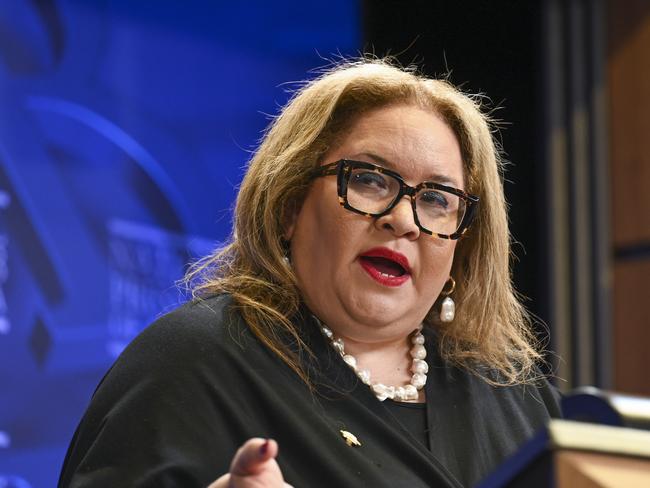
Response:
column 400, row 220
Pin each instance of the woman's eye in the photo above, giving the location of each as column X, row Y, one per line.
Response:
column 434, row 199
column 369, row 179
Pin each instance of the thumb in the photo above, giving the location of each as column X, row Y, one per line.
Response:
column 252, row 456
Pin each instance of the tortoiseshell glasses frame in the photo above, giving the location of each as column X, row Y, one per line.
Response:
column 344, row 169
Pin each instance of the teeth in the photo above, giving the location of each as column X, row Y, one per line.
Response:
column 387, row 275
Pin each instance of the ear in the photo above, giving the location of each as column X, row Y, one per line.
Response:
column 289, row 221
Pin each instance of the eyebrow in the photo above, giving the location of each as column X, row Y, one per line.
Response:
column 436, row 178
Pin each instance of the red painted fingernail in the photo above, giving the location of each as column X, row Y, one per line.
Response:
column 264, row 447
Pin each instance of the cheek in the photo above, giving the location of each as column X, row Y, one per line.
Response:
column 438, row 263
column 334, row 236
column 323, row 234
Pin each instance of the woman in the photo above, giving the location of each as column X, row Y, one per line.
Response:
column 362, row 316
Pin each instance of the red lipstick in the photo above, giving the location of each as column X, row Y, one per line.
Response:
column 386, row 266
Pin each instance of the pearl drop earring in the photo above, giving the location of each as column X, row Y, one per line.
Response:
column 286, row 247
column 448, row 307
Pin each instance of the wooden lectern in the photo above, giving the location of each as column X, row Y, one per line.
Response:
column 569, row 454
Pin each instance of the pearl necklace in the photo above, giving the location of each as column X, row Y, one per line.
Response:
column 419, row 368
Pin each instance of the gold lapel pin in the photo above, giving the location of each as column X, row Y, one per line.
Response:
column 350, row 438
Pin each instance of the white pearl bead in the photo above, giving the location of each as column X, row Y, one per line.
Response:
column 418, row 339
column 410, row 392
column 351, row 360
column 338, row 345
column 418, row 380
column 328, row 332
column 447, row 310
column 390, row 392
column 400, row 393
column 420, row 366
column 380, row 391
column 364, row 375
column 418, row 351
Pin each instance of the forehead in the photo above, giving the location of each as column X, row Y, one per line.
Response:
column 416, row 143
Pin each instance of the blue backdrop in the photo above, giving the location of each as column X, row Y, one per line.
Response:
column 125, row 127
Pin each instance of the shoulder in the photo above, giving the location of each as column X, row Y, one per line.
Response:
column 200, row 337
column 195, row 351
column 533, row 393
column 534, row 398
column 194, row 328
column 169, row 407
column 207, row 317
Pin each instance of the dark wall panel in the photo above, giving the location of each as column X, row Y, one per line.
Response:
column 631, row 332
column 629, row 126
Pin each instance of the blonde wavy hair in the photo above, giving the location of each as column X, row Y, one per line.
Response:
column 491, row 334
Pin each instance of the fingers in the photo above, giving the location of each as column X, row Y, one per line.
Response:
column 221, row 482
column 250, row 457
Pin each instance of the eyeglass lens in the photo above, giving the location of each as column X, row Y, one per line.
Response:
column 373, row 192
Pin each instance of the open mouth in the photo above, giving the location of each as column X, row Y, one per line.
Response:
column 384, row 266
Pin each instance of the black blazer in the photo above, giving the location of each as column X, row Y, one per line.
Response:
column 193, row 386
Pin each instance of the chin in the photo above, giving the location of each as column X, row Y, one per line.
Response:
column 380, row 310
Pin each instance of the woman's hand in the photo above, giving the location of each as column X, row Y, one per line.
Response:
column 254, row 466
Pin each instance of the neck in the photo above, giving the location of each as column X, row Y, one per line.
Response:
column 389, row 362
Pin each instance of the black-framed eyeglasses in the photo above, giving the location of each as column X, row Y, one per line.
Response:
column 371, row 190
